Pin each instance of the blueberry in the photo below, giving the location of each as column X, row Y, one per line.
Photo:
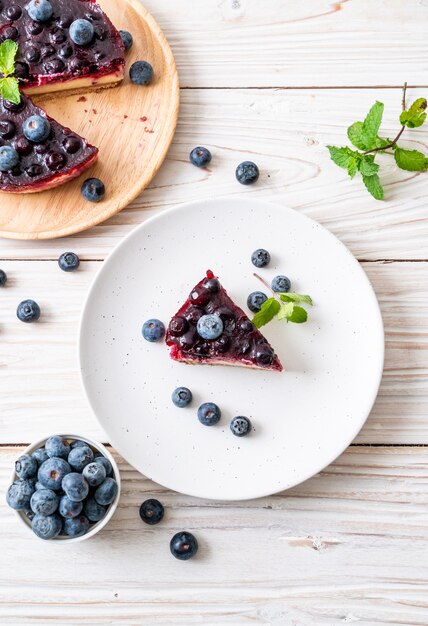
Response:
column 281, row 284
column 93, row 511
column 93, row 189
column 40, row 455
column 3, row 278
column 245, row 325
column 94, row 473
column 75, row 486
column 55, row 446
column 255, row 301
column 247, row 173
column 80, row 457
column 36, row 128
column 44, row 502
column 40, row 10
column 178, row 326
column 181, row 397
column 141, row 73
column 264, row 355
column 240, row 426
column 28, row 311
column 77, row 443
column 153, row 330
column 260, row 257
column 76, row 526
column 183, row 545
column 9, row 158
column 52, row 472
column 19, row 494
column 151, row 511
column 127, row 39
column 26, row 466
column 210, row 326
column 46, row 527
column 107, row 465
column 209, row 414
column 68, row 261
column 68, row 508
column 106, row 492
column 200, row 156
column 81, row 32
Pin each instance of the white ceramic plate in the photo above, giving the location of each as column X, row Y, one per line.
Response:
column 303, row 417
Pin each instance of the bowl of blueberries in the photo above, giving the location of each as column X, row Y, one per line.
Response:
column 65, row 488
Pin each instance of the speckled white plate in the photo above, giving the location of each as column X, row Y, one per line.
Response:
column 303, row 417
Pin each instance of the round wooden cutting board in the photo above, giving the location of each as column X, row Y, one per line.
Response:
column 131, row 125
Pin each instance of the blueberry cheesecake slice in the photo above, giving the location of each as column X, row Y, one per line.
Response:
column 210, row 328
column 36, row 152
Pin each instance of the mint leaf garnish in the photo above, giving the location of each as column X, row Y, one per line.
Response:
column 269, row 309
column 295, row 297
column 342, row 156
column 283, row 305
column 8, row 51
column 367, row 166
column 415, row 116
column 355, row 135
column 9, row 89
column 410, row 160
column 373, row 186
column 372, row 124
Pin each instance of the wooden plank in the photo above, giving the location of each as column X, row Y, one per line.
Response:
column 40, row 390
column 285, row 132
column 347, row 546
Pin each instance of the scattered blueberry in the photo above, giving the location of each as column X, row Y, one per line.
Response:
column 260, row 257
column 183, row 545
column 210, row 326
column 200, row 156
column 281, row 284
column 81, row 32
column 181, row 397
column 40, row 10
column 40, row 455
column 46, row 527
column 209, row 414
column 127, row 39
column 107, row 465
column 28, row 310
column 44, row 502
column 94, row 473
column 19, row 494
column 36, row 128
column 93, row 511
column 26, row 466
column 240, row 426
column 76, row 526
column 106, row 492
column 55, row 446
column 69, row 508
column 3, row 278
column 9, row 158
column 151, row 511
column 80, row 457
column 255, row 301
column 153, row 330
column 75, row 486
column 93, row 189
column 52, row 472
column 68, row 261
column 247, row 173
column 141, row 73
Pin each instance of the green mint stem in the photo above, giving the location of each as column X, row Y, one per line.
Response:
column 266, row 284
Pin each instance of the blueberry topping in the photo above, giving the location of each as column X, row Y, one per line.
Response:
column 10, row 32
column 40, row 455
column 36, row 128
column 72, row 144
column 47, row 51
column 76, row 526
column 46, row 527
column 183, row 545
column 200, row 156
column 13, row 12
column 40, row 10
column 240, row 426
column 193, row 315
column 245, row 325
column 281, row 284
column 260, row 257
column 181, row 397
column 22, row 146
column 52, row 472
column 199, row 296
column 247, row 173
column 222, row 344
column 3, row 278
column 210, row 326
column 178, row 326
column 93, row 511
column 80, row 457
column 32, row 55
column 75, row 486
column 9, row 157
column 68, row 261
column 7, row 129
column 28, row 311
column 264, row 355
column 34, row 170
column 56, row 446
column 93, row 190
column 57, row 35
column 68, row 508
column 141, row 73
column 153, row 330
column 81, row 32
column 106, row 492
column 55, row 160
column 212, row 285
column 11, row 106
column 35, row 28
column 44, row 502
column 65, row 51
column 54, row 66
column 151, row 511
column 255, row 301
column 127, row 39
column 94, row 473
column 209, row 414
column 19, row 494
column 26, row 466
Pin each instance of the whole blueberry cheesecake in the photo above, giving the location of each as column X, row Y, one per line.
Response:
column 210, row 328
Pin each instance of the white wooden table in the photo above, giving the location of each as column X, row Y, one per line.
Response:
column 273, row 81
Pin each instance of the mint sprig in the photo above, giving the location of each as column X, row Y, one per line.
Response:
column 283, row 306
column 9, row 87
column 365, row 137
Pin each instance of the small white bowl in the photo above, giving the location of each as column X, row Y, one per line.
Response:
column 95, row 528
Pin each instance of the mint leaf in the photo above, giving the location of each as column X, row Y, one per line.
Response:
column 346, row 158
column 9, row 89
column 8, row 50
column 286, row 311
column 373, row 186
column 371, row 125
column 355, row 133
column 268, row 311
column 298, row 315
column 410, row 160
column 295, row 297
column 414, row 116
column 367, row 166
